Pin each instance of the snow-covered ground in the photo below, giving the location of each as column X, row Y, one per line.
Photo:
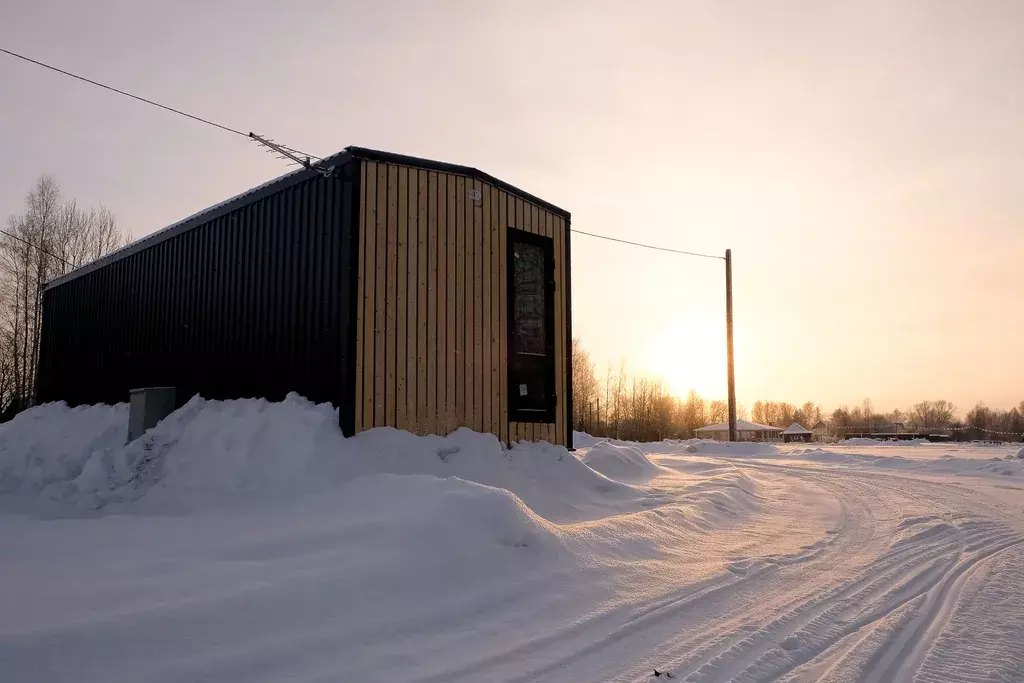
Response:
column 248, row 541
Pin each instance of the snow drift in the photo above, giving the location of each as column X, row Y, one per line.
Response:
column 214, row 454
column 742, row 448
column 621, row 462
column 51, row 444
column 866, row 441
column 945, row 464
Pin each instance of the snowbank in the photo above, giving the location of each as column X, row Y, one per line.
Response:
column 548, row 478
column 211, row 454
column 52, row 443
column 743, row 448
column 945, row 464
column 622, row 463
column 584, row 440
column 448, row 517
column 862, row 441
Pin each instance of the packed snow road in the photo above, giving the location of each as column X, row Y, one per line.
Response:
column 248, row 541
column 918, row 581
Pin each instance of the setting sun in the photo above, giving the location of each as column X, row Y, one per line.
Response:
column 689, row 353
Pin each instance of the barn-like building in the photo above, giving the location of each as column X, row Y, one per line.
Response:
column 407, row 292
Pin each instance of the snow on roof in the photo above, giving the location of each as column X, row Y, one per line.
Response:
column 796, row 428
column 741, row 426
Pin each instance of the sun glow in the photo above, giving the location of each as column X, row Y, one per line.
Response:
column 689, row 354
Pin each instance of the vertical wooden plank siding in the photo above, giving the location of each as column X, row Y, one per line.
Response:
column 441, row 204
column 391, row 304
column 380, row 296
column 432, row 301
column 563, row 285
column 503, row 223
column 478, row 312
column 552, row 228
column 495, row 315
column 422, row 271
column 411, row 310
column 470, row 285
column 401, row 351
column 489, row 395
column 452, row 285
column 434, row 251
column 368, row 309
column 460, row 302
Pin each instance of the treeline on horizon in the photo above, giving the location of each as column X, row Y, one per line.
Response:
column 642, row 409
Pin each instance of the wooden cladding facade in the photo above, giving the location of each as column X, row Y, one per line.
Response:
column 431, row 329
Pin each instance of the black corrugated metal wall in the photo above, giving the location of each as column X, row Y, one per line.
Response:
column 251, row 299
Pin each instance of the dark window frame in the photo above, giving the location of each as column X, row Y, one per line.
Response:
column 515, row 412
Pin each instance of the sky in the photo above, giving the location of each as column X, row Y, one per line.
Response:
column 863, row 160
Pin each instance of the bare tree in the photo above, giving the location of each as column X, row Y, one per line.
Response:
column 935, row 414
column 718, row 411
column 694, row 412
column 607, row 397
column 619, row 397
column 585, row 388
column 49, row 238
column 811, row 414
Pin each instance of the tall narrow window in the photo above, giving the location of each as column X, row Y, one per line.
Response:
column 531, row 322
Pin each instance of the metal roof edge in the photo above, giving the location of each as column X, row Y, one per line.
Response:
column 199, row 218
column 405, row 160
column 286, row 180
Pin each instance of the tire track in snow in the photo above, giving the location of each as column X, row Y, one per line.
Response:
column 983, row 636
column 874, row 598
column 740, row 631
column 902, row 660
column 906, row 573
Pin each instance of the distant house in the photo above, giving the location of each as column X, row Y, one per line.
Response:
column 823, row 431
column 745, row 431
column 796, row 432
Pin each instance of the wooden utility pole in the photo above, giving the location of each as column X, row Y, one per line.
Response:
column 728, row 334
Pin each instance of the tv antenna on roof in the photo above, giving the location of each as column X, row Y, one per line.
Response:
column 289, row 154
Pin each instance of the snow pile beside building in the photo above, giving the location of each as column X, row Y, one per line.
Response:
column 584, row 440
column 215, row 454
column 621, row 462
column 434, row 517
column 548, row 478
column 50, row 444
column 223, row 452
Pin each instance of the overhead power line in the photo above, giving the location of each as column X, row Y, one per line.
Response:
column 36, row 246
column 251, row 136
column 111, row 88
column 646, row 246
